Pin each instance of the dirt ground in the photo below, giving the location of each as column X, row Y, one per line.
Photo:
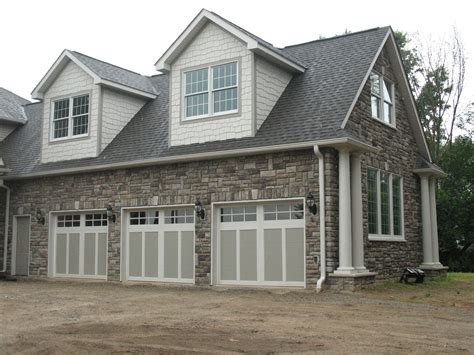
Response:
column 70, row 316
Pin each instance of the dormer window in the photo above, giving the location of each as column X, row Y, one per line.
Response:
column 215, row 84
column 70, row 117
column 382, row 98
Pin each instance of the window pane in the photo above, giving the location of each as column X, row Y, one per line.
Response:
column 387, row 92
column 80, row 125
column 397, row 205
column 225, row 100
column 197, row 105
column 196, row 81
column 224, row 76
column 61, row 109
column 385, row 203
column 375, row 84
column 60, row 128
column 372, row 199
column 375, row 104
column 387, row 112
column 80, row 105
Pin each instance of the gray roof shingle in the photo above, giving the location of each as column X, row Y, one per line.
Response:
column 11, row 107
column 312, row 107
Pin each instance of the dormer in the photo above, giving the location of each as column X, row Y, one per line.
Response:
column 87, row 102
column 12, row 113
column 224, row 81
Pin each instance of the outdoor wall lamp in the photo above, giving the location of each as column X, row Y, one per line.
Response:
column 39, row 217
column 110, row 214
column 311, row 203
column 200, row 210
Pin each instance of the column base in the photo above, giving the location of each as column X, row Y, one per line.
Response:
column 435, row 270
column 345, row 271
column 432, row 266
column 353, row 282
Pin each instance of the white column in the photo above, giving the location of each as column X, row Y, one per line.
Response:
column 356, row 213
column 426, row 222
column 434, row 222
column 345, row 230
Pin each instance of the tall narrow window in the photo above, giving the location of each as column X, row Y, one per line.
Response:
column 70, row 117
column 211, row 91
column 385, row 203
column 372, row 199
column 381, row 98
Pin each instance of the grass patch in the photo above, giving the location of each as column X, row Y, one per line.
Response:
column 429, row 283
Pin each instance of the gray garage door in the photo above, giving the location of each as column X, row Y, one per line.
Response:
column 160, row 245
column 80, row 245
column 260, row 244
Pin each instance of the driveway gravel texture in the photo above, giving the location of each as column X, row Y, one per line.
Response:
column 45, row 316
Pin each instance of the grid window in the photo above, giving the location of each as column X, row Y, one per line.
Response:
column 145, row 217
column 239, row 214
column 381, row 98
column 68, row 220
column 385, row 203
column 372, row 200
column 218, row 84
column 282, row 212
column 71, row 112
column 179, row 216
column 96, row 219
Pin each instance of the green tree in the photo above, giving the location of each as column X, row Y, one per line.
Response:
column 456, row 205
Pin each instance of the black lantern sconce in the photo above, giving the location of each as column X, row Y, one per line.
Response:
column 200, row 210
column 39, row 217
column 311, row 203
column 110, row 214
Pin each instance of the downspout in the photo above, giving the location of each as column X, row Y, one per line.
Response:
column 7, row 214
column 322, row 219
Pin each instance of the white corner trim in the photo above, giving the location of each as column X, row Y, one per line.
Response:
column 362, row 84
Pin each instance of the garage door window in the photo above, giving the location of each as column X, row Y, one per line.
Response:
column 239, row 214
column 69, row 220
column 179, row 216
column 95, row 220
column 144, row 217
column 283, row 212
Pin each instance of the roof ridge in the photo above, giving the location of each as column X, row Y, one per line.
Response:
column 103, row 61
column 335, row 37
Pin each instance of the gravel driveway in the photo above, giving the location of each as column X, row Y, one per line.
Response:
column 68, row 316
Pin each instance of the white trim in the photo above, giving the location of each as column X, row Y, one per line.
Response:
column 204, row 156
column 14, row 242
column 70, row 117
column 163, row 64
column 131, row 90
column 386, row 238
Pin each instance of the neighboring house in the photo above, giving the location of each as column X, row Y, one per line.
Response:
column 104, row 171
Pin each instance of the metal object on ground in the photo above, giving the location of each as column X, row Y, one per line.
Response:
column 413, row 273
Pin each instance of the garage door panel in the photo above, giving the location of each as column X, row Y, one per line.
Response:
column 273, row 255
column 102, row 254
column 171, row 255
column 61, row 253
column 228, row 257
column 74, row 246
column 295, row 254
column 151, row 254
column 135, row 254
column 248, row 255
column 89, row 253
column 187, row 255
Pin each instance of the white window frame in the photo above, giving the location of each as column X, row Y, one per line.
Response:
column 381, row 79
column 391, row 236
column 70, row 118
column 210, row 91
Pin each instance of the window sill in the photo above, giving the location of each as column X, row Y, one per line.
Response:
column 386, row 238
column 228, row 114
column 69, row 139
column 384, row 123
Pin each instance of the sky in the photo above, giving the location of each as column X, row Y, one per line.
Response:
column 133, row 34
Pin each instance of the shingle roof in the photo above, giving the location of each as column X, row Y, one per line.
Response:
column 116, row 74
column 11, row 106
column 312, row 107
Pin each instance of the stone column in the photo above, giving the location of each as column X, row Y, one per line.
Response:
column 434, row 222
column 426, row 222
column 345, row 230
column 356, row 213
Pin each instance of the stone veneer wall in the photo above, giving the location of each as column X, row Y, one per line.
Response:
column 398, row 150
column 3, row 199
column 271, row 176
